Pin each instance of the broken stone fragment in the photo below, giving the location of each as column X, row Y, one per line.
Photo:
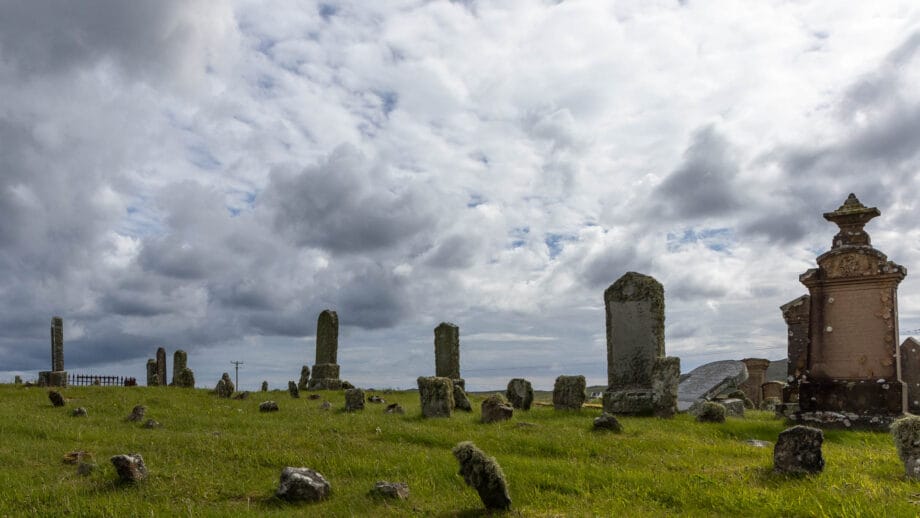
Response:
column 268, row 406
column 710, row 412
column 79, row 412
column 607, row 422
column 495, row 409
column 397, row 490
column 302, row 484
column 394, row 408
column 130, row 467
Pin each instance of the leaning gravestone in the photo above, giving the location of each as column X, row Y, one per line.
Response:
column 483, row 474
column 707, row 381
column 304, row 381
column 354, row 400
column 569, row 393
column 461, row 402
column 56, row 398
column 641, row 380
column 436, row 395
column 326, row 370
column 520, row 393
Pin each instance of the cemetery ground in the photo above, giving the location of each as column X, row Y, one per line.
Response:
column 222, row 457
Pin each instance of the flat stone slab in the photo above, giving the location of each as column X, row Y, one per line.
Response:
column 709, row 380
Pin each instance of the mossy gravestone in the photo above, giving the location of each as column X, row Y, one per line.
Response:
column 640, row 379
column 483, row 474
column 520, row 393
column 569, row 393
column 906, row 432
column 436, row 395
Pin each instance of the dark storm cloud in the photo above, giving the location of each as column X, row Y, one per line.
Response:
column 346, row 205
column 703, row 185
column 373, row 298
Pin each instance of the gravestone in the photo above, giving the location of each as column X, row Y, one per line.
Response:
column 326, row 370
column 152, row 380
column 910, row 372
column 520, row 393
column 293, row 390
column 798, row 451
column 447, row 352
column 354, row 400
column 640, row 379
column 180, row 361
column 852, row 376
column 304, row 381
column 757, row 375
column 708, row 381
column 494, row 409
column 569, row 392
column 186, row 378
column 264, row 386
column 161, row 366
column 58, row 376
column 436, row 395
column 483, row 474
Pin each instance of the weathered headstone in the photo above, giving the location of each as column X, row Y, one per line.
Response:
column 354, row 400
column 641, row 380
column 436, row 395
column 152, row 380
column 520, row 393
column 495, row 409
column 180, row 361
column 772, row 389
column 56, row 398
column 302, row 484
column 709, row 380
column 461, row 402
column 910, row 372
column 483, row 474
column 224, row 388
column 447, row 351
column 569, row 392
column 293, row 390
column 17, row 380
column 130, row 467
column 757, row 372
column 326, row 370
column 733, row 407
column 304, row 381
column 796, row 314
column 906, row 433
column 57, row 377
column 186, row 378
column 161, row 366
column 798, row 451
column 852, row 376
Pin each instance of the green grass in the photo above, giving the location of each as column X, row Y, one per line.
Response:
column 222, row 457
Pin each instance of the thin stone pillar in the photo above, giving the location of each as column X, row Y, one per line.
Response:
column 180, row 361
column 161, row 367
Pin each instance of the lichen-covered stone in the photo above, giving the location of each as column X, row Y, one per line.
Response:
column 733, row 407
column 710, row 412
column 268, row 406
column 770, row 404
column 184, row 378
column 302, row 484
column 461, row 402
column 293, row 390
column 495, row 409
column 436, row 395
column 447, row 350
column 798, row 451
column 354, row 400
column 397, row 490
column 137, row 413
column 152, row 380
column 225, row 387
column 180, row 361
column 607, row 422
column 304, row 381
column 569, row 393
column 130, row 467
column 906, row 433
column 740, row 394
column 483, row 474
column 56, row 398
column 520, row 393
column 79, row 412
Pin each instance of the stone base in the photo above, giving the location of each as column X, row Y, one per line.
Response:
column 850, row 404
column 660, row 399
column 845, row 420
column 326, row 370
column 44, row 378
column 325, row 384
column 57, row 379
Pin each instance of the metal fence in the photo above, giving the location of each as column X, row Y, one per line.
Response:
column 105, row 381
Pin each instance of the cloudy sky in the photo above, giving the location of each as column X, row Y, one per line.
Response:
column 211, row 175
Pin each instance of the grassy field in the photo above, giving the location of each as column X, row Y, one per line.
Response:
column 217, row 457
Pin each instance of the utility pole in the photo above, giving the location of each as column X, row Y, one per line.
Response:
column 237, row 366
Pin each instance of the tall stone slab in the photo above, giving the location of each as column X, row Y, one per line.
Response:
column 57, row 377
column 326, row 370
column 910, row 372
column 161, row 366
column 180, row 361
column 852, row 376
column 757, row 376
column 447, row 351
column 640, row 379
column 152, row 378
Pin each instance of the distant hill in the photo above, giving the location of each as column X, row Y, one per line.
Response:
column 777, row 370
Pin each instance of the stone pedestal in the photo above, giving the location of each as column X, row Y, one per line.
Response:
column 757, row 371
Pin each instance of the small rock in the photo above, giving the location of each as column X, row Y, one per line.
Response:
column 85, row 468
column 710, row 412
column 56, row 398
column 241, row 395
column 137, row 413
column 798, row 451
column 325, row 405
column 130, row 467
column 495, row 409
column 268, row 406
column 151, row 423
column 313, row 396
column 375, row 399
column 525, row 424
column 394, row 408
column 302, row 484
column 607, row 422
column 397, row 490
column 79, row 412
column 354, row 400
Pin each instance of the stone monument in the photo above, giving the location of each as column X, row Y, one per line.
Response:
column 852, row 373
column 640, row 379
column 57, row 376
column 152, row 379
column 757, row 376
column 161, row 366
column 447, row 353
column 326, row 370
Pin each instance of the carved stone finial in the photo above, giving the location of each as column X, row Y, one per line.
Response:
column 851, row 217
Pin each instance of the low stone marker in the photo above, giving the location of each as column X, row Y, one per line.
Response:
column 56, row 398
column 304, row 381
column 607, row 422
column 293, row 390
column 376, row 400
column 130, row 467
column 906, row 433
column 520, row 393
column 268, row 406
column 151, row 423
column 710, row 412
column 17, row 380
column 302, row 484
column 137, row 413
column 772, row 389
column 354, row 400
column 569, row 392
column 483, row 474
column 436, row 395
column 224, row 388
column 184, row 378
column 798, row 451
column 461, row 402
column 707, row 381
column 397, row 490
column 264, row 386
column 495, row 409
column 79, row 412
